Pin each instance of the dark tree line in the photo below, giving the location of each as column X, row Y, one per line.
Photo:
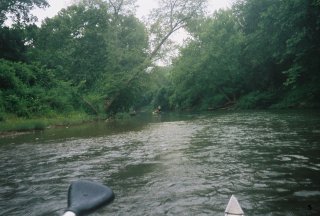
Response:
column 259, row 54
column 93, row 54
column 93, row 57
column 83, row 53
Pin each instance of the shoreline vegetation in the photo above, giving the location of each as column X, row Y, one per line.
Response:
column 91, row 63
column 16, row 126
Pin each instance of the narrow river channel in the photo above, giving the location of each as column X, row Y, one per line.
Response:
column 171, row 164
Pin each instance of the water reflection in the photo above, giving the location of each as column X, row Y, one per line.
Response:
column 173, row 165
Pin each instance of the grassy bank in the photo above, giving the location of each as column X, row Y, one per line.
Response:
column 14, row 124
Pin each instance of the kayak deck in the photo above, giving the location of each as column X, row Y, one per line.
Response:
column 233, row 207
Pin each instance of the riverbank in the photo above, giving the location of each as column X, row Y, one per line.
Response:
column 16, row 126
column 13, row 126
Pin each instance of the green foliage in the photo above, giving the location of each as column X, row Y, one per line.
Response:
column 162, row 99
column 122, row 116
column 158, row 86
column 58, row 119
column 83, row 54
column 211, row 64
column 12, row 44
column 255, row 55
column 75, row 43
column 19, row 10
column 256, row 100
column 282, row 40
column 93, row 56
column 303, row 97
column 214, row 102
column 95, row 51
column 25, row 125
column 28, row 90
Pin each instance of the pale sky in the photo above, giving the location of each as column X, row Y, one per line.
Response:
column 144, row 7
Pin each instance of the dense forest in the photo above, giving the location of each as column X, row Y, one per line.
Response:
column 96, row 57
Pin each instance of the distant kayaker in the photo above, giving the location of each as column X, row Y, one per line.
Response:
column 158, row 110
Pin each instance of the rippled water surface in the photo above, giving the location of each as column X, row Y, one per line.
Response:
column 170, row 164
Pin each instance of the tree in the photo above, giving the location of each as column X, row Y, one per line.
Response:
column 171, row 16
column 27, row 90
column 19, row 10
column 12, row 44
column 13, row 39
column 89, row 46
column 76, row 43
column 258, row 54
column 122, row 7
column 115, row 7
column 282, row 46
column 209, row 73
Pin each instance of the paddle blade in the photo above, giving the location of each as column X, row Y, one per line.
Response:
column 84, row 197
column 233, row 207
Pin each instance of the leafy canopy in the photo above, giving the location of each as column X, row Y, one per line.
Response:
column 19, row 10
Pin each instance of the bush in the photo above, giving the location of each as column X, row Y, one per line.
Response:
column 300, row 97
column 162, row 99
column 31, row 125
column 256, row 100
column 122, row 115
column 2, row 117
column 24, row 125
column 213, row 102
column 28, row 90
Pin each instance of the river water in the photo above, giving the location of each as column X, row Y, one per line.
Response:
column 171, row 164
